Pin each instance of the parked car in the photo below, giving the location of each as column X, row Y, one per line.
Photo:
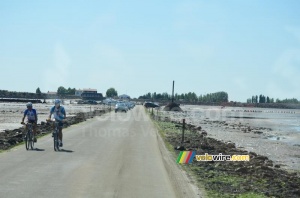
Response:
column 150, row 105
column 121, row 107
column 130, row 105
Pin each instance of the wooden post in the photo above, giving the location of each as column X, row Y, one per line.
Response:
column 183, row 127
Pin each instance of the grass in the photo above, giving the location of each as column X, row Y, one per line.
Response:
column 205, row 178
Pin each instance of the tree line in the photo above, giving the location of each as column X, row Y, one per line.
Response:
column 266, row 99
column 189, row 97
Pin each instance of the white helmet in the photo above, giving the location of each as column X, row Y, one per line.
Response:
column 57, row 102
column 29, row 104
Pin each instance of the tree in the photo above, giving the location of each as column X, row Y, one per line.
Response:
column 71, row 91
column 61, row 90
column 38, row 91
column 111, row 92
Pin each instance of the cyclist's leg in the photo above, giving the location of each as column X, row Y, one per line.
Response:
column 60, row 136
column 25, row 131
column 34, row 128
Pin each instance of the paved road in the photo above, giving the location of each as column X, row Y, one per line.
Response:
column 115, row 155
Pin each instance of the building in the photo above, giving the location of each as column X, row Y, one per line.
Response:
column 91, row 94
column 52, row 93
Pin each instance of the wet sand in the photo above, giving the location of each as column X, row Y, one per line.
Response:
column 270, row 132
column 11, row 113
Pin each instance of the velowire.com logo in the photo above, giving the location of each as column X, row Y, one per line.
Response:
column 186, row 157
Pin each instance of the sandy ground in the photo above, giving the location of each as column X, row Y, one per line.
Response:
column 11, row 113
column 275, row 133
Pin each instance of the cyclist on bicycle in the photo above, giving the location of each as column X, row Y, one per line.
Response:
column 59, row 114
column 31, row 118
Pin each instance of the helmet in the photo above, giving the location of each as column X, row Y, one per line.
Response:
column 29, row 104
column 57, row 101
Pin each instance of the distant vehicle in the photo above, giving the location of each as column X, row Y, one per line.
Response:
column 150, row 105
column 87, row 102
column 130, row 105
column 92, row 102
column 110, row 101
column 121, row 107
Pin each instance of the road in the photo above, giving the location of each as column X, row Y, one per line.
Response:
column 114, row 155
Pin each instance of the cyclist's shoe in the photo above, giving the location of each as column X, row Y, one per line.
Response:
column 34, row 139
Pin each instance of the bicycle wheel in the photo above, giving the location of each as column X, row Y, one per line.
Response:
column 27, row 142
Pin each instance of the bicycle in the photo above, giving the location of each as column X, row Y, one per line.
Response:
column 55, row 135
column 29, row 137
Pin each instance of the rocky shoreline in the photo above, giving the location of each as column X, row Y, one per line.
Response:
column 260, row 175
column 10, row 138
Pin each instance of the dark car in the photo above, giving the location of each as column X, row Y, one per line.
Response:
column 150, row 105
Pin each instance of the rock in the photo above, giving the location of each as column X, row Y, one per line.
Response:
column 243, row 170
column 230, row 145
column 260, row 157
column 277, row 166
column 204, row 133
column 199, row 128
column 258, row 132
column 269, row 163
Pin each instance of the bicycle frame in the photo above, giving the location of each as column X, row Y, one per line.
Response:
column 55, row 136
column 29, row 137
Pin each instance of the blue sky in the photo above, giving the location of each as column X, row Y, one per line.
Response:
column 242, row 47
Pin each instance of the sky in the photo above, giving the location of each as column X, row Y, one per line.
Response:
column 244, row 48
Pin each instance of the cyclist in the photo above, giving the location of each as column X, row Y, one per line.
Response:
column 59, row 114
column 31, row 118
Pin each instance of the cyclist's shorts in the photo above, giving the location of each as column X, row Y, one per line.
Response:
column 32, row 122
column 60, row 124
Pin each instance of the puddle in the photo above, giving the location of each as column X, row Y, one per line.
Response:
column 272, row 137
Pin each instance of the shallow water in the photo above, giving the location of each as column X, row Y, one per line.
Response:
column 277, row 119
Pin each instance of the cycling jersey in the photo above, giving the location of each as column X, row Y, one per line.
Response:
column 31, row 114
column 59, row 113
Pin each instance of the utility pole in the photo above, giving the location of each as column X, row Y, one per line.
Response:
column 173, row 92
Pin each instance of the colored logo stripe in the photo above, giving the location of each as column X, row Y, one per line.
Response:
column 186, row 157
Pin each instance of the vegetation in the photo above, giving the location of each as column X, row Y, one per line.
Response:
column 63, row 91
column 217, row 182
column 111, row 92
column 189, row 97
column 38, row 91
column 266, row 99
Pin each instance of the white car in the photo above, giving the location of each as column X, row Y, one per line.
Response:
column 121, row 107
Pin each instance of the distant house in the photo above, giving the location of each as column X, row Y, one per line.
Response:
column 124, row 97
column 91, row 94
column 52, row 93
column 78, row 92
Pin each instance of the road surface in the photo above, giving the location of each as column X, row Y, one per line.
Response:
column 114, row 155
